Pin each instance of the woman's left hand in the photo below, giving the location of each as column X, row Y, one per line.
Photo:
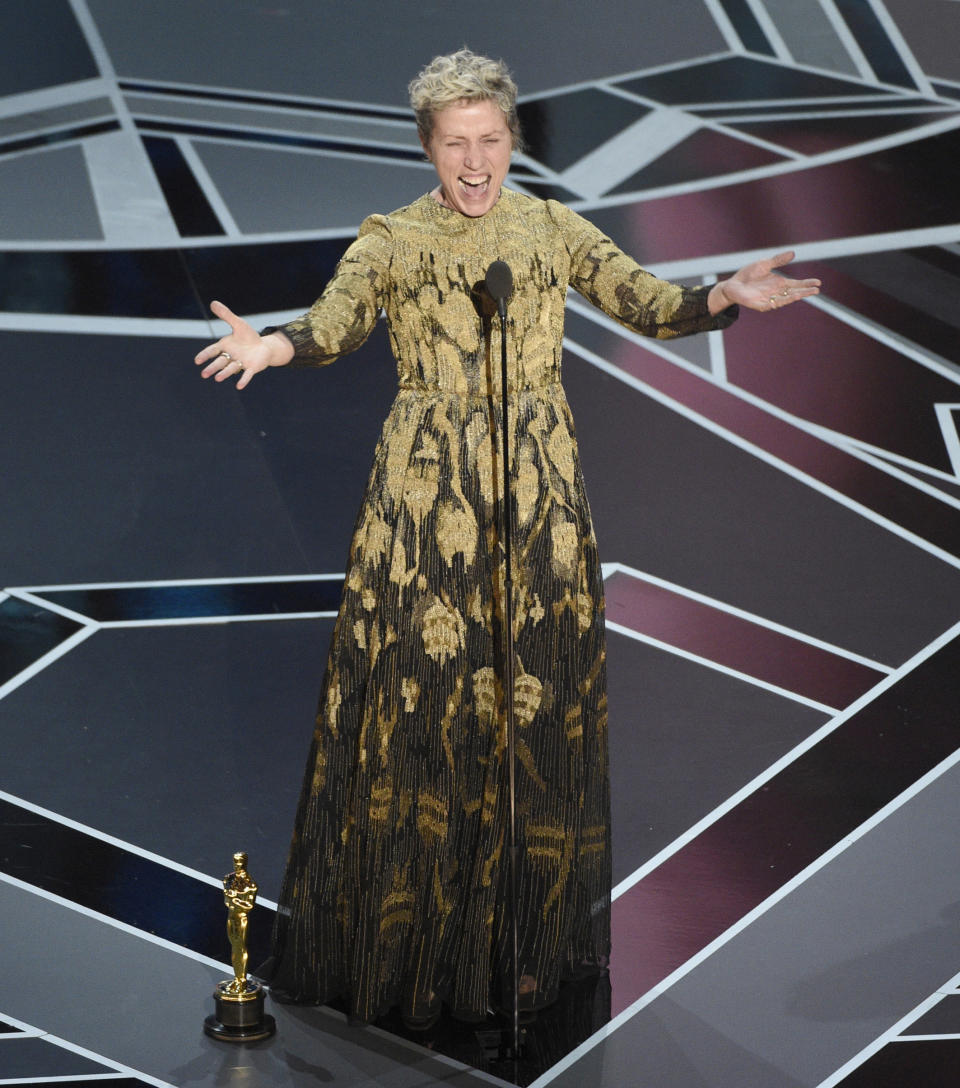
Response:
column 758, row 286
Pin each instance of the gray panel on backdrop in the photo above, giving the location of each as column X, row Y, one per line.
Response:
column 367, row 51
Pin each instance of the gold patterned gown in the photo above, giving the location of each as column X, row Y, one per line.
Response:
column 395, row 886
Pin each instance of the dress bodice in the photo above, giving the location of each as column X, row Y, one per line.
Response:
column 424, row 267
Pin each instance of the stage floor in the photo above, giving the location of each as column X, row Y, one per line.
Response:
column 777, row 507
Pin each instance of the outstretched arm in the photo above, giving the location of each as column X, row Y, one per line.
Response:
column 243, row 351
column 759, row 286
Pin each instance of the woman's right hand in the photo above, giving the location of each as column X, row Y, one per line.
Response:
column 243, row 352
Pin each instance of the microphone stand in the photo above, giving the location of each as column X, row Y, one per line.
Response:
column 499, row 283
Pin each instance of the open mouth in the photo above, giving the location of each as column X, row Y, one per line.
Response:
column 475, row 185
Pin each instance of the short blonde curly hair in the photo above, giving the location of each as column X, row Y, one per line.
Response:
column 463, row 76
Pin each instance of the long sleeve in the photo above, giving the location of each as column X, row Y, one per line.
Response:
column 616, row 284
column 345, row 314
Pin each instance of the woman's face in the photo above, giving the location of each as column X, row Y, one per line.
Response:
column 470, row 149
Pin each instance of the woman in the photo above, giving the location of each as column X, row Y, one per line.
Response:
column 395, row 883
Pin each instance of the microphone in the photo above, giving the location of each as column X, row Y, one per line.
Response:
column 499, row 283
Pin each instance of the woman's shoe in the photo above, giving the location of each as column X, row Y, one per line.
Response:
column 420, row 1023
column 529, row 1001
column 425, row 1019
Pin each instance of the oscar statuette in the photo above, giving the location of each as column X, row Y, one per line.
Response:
column 239, row 1003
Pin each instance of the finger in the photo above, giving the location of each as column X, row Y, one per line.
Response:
column 233, row 368
column 780, row 259
column 794, row 289
column 245, row 376
column 214, row 365
column 237, row 324
column 786, row 296
column 223, row 365
column 211, row 351
column 796, row 285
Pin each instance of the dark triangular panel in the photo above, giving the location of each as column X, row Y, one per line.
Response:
column 739, row 79
column 704, row 154
column 817, row 135
column 563, row 128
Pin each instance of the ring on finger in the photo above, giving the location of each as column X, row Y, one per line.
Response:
column 773, row 302
column 226, row 355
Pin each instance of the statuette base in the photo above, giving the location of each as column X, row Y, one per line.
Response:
column 239, row 1017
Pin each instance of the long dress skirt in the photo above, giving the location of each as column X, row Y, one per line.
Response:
column 395, row 889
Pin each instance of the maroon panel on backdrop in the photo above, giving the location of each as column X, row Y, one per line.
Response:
column 913, row 510
column 706, row 153
column 736, row 642
column 809, row 204
column 820, row 369
column 905, row 319
column 817, row 135
column 750, row 852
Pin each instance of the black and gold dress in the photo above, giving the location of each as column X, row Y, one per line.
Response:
column 395, row 884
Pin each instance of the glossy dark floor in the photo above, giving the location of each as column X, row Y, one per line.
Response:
column 778, row 508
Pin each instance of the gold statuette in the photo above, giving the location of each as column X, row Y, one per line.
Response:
column 239, row 1017
column 239, row 895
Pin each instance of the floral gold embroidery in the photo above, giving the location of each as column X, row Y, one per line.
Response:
column 410, row 690
column 566, row 546
column 443, row 630
column 527, row 487
column 485, row 695
column 456, row 533
column 528, row 692
column 420, row 491
column 560, row 451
